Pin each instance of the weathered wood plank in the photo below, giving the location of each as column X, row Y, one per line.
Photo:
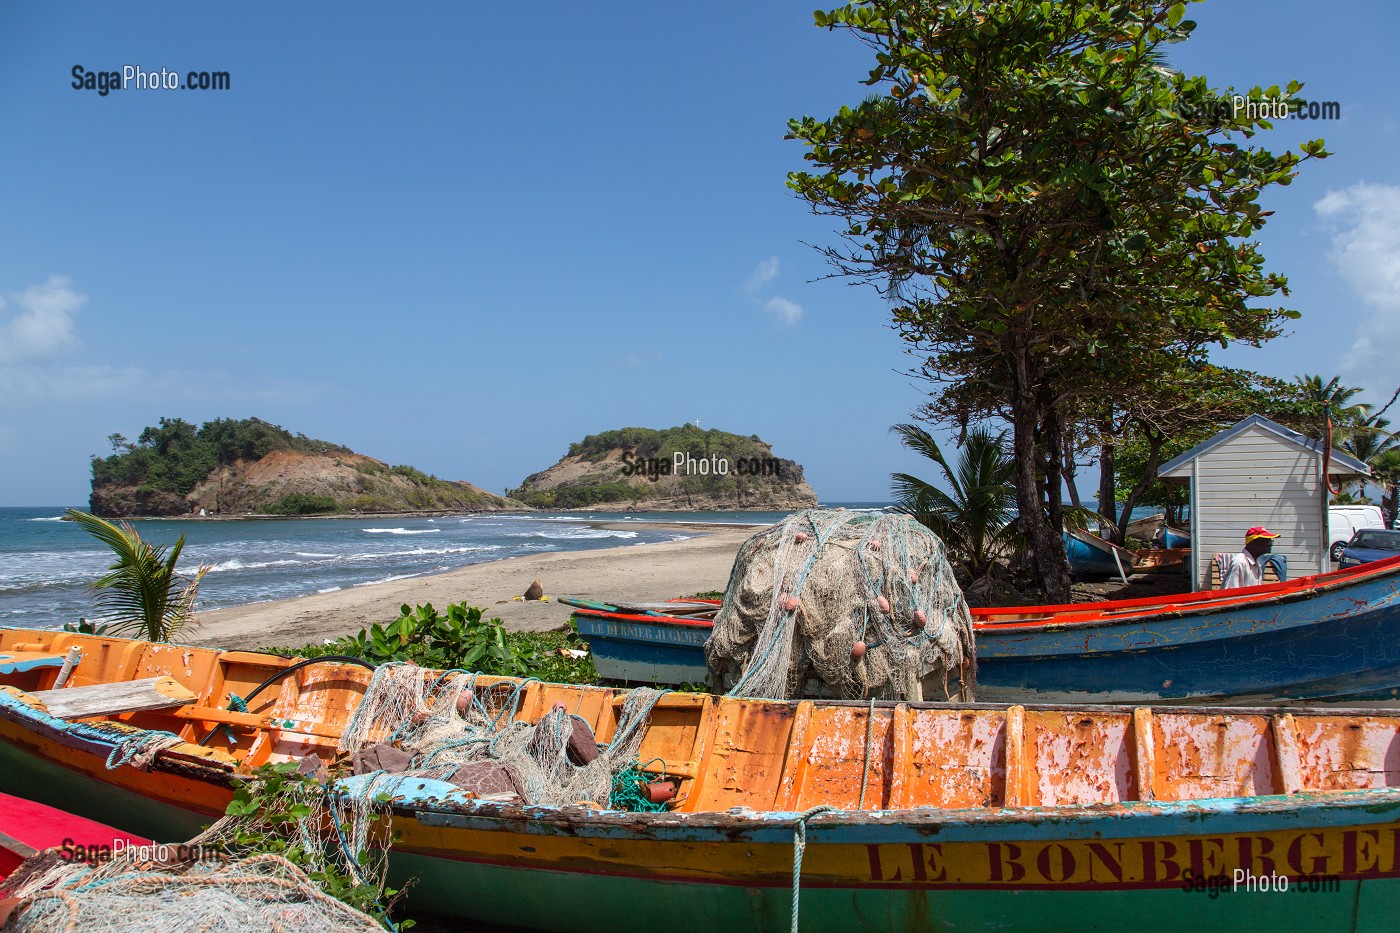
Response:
column 128, row 696
column 1016, row 777
column 1286, row 751
column 1144, row 754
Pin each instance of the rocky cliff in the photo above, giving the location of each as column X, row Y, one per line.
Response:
column 677, row 469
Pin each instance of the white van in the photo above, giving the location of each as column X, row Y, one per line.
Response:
column 1343, row 521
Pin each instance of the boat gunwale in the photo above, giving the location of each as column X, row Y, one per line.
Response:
column 1201, row 603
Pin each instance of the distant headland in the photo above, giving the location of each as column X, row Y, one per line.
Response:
column 677, row 469
column 247, row 467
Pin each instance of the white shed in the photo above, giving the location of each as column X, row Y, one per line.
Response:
column 1259, row 473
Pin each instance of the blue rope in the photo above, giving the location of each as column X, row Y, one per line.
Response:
column 799, row 845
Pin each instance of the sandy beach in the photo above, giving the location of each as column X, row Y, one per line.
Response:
column 636, row 573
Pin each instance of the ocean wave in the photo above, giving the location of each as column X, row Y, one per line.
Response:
column 330, row 589
column 423, row 552
column 392, row 578
column 315, row 554
column 401, row 531
column 576, row 534
column 236, row 564
column 56, row 518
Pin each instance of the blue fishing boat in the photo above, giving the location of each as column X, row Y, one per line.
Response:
column 644, row 648
column 1092, row 556
column 1327, row 638
column 1175, row 537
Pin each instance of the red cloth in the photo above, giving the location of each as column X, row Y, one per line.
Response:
column 41, row 827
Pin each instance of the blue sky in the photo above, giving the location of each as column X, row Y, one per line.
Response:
column 461, row 239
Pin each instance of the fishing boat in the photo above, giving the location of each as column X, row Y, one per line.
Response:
column 825, row 815
column 1175, row 537
column 647, row 644
column 1092, row 556
column 1329, row 638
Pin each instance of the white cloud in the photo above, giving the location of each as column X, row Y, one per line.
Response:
column 787, row 312
column 42, row 330
column 766, row 272
column 43, row 326
column 1364, row 221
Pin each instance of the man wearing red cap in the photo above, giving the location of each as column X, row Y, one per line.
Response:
column 1243, row 569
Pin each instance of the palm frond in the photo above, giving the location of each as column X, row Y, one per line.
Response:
column 141, row 593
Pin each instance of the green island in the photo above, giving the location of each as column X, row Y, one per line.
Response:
column 251, row 467
column 681, row 468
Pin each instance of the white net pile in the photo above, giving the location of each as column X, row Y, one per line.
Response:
column 843, row 604
column 449, row 730
column 132, row 894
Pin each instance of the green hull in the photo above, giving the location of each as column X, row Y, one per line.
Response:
column 561, row 901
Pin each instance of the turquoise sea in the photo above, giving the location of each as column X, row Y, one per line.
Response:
column 46, row 564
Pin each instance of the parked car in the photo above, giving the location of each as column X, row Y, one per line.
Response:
column 1344, row 521
column 1371, row 544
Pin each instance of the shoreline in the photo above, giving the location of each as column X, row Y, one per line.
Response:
column 645, row 572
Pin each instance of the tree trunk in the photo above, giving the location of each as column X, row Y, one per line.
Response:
column 1054, row 457
column 1149, row 476
column 1108, row 483
column 1046, row 547
column 1071, row 473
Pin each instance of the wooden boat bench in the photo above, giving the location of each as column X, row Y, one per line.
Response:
column 128, row 696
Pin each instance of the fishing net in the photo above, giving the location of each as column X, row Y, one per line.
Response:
column 134, row 893
column 843, row 604
column 418, row 723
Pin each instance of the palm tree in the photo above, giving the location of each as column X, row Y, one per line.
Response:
column 1330, row 402
column 1368, row 442
column 1385, row 473
column 141, row 592
column 975, row 520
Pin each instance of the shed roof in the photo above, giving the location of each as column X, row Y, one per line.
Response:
column 1343, row 464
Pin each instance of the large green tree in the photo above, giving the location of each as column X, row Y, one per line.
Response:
column 1047, row 207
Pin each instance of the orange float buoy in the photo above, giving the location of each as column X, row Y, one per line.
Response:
column 800, row 537
column 874, row 545
column 858, row 650
column 884, row 604
column 920, row 618
column 914, row 577
column 660, row 791
column 465, row 701
column 790, row 604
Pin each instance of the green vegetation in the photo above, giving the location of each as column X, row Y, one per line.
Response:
column 303, row 504
column 1062, row 226
column 175, row 456
column 577, row 497
column 168, row 463
column 463, row 638
column 647, row 444
column 1332, row 416
column 266, row 816
column 141, row 593
column 975, row 520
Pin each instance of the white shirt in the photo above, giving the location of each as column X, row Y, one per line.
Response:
column 1241, row 570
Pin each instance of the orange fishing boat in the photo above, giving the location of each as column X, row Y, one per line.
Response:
column 896, row 815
